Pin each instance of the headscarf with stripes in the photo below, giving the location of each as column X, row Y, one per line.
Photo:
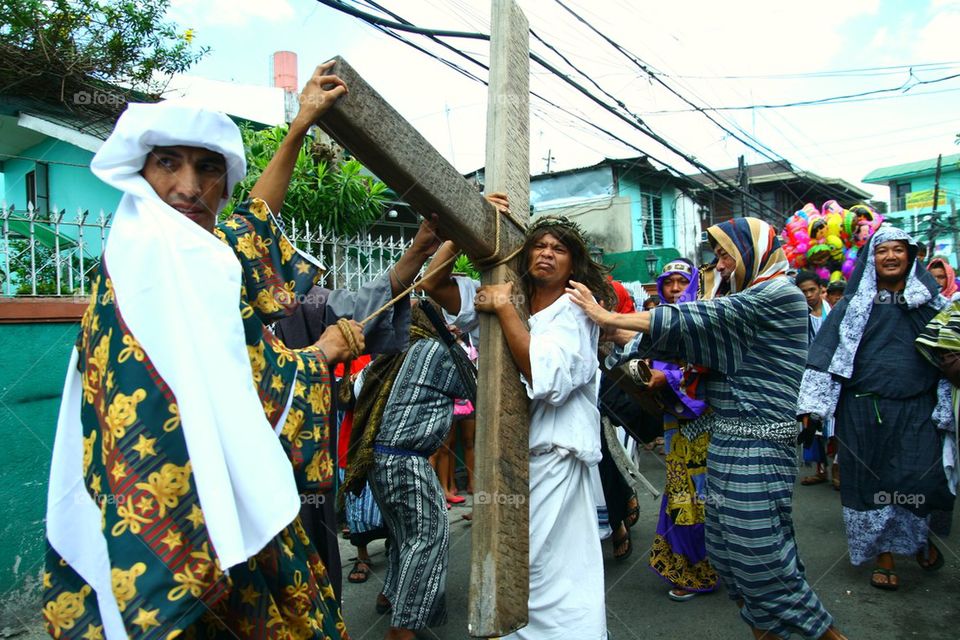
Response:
column 753, row 243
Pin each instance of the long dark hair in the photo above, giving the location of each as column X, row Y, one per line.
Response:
column 585, row 269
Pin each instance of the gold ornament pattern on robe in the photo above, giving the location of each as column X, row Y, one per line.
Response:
column 137, row 470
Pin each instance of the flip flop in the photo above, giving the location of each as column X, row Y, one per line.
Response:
column 617, row 542
column 455, row 499
column 362, row 569
column 889, row 585
column 677, row 597
column 812, row 480
column 923, row 559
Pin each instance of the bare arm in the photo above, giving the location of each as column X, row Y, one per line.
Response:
column 498, row 299
column 438, row 282
column 314, row 102
column 608, row 320
column 518, row 338
column 424, row 245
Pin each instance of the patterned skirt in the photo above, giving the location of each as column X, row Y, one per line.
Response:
column 679, row 552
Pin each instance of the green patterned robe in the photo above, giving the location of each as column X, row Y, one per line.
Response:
column 165, row 576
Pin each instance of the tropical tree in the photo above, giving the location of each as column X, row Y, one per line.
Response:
column 324, row 191
column 77, row 51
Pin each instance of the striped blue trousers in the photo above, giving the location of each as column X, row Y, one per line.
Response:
column 750, row 536
column 415, row 511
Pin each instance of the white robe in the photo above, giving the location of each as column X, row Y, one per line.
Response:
column 566, row 563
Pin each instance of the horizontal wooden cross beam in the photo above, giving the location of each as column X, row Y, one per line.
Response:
column 379, row 137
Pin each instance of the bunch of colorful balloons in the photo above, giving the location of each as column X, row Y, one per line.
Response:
column 827, row 240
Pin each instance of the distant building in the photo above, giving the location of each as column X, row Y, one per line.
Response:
column 635, row 215
column 911, row 201
column 774, row 191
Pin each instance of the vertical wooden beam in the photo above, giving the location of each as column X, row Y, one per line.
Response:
column 499, row 581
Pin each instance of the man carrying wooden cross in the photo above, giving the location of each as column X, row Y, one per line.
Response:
column 557, row 359
column 187, row 429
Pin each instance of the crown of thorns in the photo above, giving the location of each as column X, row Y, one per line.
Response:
column 565, row 225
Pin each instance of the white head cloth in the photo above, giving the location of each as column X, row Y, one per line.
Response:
column 178, row 289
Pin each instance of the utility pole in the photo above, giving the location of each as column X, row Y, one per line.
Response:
column 744, row 184
column 933, row 209
column 549, row 158
column 955, row 223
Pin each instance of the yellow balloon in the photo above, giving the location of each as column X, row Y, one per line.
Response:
column 834, row 223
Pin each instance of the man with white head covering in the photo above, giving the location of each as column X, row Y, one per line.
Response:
column 187, row 430
column 895, row 430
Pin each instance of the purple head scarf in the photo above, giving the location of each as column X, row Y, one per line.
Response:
column 686, row 269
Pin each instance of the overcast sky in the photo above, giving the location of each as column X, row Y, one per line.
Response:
column 720, row 54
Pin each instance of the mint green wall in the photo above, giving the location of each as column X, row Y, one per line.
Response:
column 916, row 221
column 71, row 187
column 33, row 363
column 632, row 187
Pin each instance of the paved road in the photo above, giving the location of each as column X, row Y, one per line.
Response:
column 927, row 605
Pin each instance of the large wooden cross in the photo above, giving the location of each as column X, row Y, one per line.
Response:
column 392, row 149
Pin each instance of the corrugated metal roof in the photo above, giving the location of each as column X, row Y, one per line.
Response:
column 921, row 167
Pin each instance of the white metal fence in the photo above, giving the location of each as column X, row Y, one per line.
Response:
column 56, row 254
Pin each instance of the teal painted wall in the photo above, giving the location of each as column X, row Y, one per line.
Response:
column 916, row 221
column 631, row 187
column 33, row 363
column 71, row 187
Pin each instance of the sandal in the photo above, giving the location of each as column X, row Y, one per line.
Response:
column 361, row 570
column 619, row 542
column 681, row 595
column 633, row 511
column 890, row 581
column 812, row 480
column 923, row 559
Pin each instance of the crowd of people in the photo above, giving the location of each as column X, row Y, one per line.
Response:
column 204, row 437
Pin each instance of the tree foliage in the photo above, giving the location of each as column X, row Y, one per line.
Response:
column 463, row 265
column 323, row 191
column 61, row 47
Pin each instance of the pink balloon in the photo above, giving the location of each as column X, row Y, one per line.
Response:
column 823, row 273
column 802, row 247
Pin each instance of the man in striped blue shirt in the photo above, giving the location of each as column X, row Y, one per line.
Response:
column 754, row 343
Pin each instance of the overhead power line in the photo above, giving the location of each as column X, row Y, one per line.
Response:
column 637, row 124
column 835, row 73
column 743, row 137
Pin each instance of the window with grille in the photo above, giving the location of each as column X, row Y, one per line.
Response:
column 651, row 211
